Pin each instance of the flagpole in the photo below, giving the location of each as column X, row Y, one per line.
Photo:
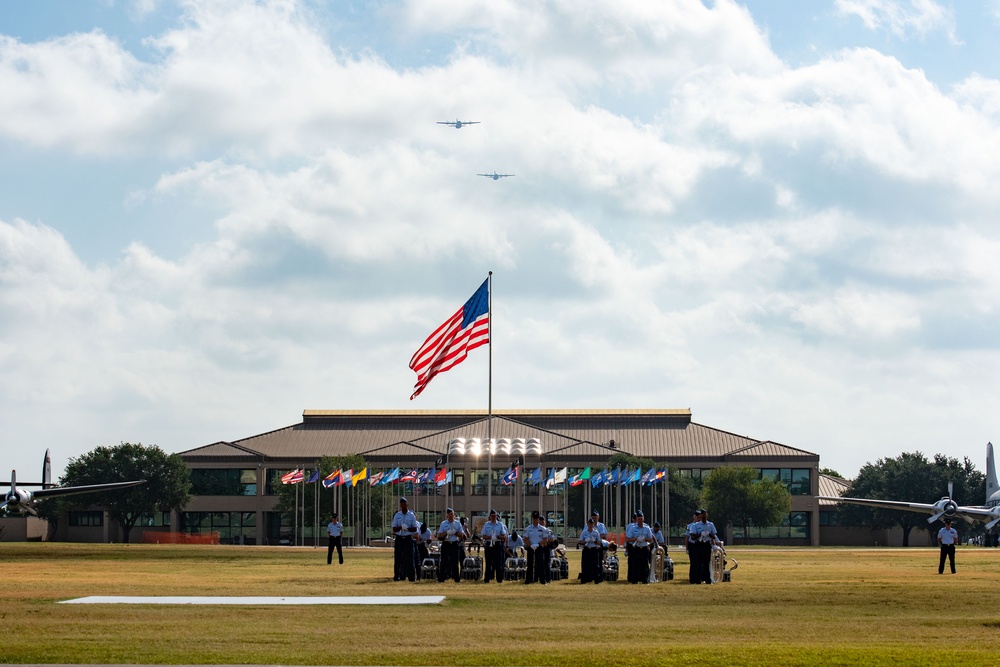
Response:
column 489, row 404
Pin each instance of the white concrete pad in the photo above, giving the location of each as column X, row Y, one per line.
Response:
column 168, row 599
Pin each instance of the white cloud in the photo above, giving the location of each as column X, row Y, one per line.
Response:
column 902, row 18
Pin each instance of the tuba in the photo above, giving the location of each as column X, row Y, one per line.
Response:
column 659, row 560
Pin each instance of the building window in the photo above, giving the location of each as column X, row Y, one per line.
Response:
column 272, row 480
column 232, row 527
column 481, row 480
column 796, row 480
column 86, row 519
column 223, row 482
column 795, row 526
column 154, row 520
column 457, row 483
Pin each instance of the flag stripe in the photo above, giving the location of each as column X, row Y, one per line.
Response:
column 450, row 343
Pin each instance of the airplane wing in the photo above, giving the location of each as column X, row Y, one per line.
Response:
column 885, row 504
column 89, row 488
column 486, row 175
column 970, row 514
column 447, row 122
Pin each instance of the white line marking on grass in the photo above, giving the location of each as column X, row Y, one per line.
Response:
column 168, row 599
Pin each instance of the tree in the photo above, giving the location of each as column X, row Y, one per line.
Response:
column 167, row 487
column 684, row 498
column 738, row 496
column 831, row 473
column 908, row 477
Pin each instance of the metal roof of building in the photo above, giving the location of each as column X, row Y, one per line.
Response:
column 566, row 435
column 831, row 486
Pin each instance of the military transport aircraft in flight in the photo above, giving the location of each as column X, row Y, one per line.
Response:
column 458, row 124
column 495, row 176
column 946, row 507
column 19, row 500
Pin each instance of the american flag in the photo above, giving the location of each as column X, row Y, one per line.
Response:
column 293, row 477
column 450, row 343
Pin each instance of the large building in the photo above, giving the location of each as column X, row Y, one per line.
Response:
column 235, row 483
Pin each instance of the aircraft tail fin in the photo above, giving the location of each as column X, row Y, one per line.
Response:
column 47, row 471
column 991, row 472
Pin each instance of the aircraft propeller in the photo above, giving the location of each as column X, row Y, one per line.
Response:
column 946, row 506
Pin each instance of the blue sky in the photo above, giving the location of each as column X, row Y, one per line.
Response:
column 214, row 215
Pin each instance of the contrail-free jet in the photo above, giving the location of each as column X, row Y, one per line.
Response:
column 19, row 500
column 495, row 176
column 946, row 507
column 458, row 124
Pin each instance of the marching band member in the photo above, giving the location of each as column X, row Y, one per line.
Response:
column 494, row 536
column 590, row 560
column 658, row 535
column 640, row 537
column 534, row 536
column 705, row 536
column 689, row 547
column 404, row 527
column 514, row 542
column 451, row 535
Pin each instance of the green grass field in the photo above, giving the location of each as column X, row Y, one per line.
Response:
column 784, row 607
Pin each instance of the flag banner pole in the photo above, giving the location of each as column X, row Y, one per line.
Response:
column 489, row 400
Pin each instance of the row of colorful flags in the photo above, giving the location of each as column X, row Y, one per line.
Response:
column 616, row 477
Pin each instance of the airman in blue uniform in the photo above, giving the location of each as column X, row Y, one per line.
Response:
column 494, row 535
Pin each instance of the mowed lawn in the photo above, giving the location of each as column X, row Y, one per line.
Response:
column 783, row 607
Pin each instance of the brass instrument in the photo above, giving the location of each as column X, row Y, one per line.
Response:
column 659, row 560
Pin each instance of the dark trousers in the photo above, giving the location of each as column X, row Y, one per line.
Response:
column 590, row 566
column 403, row 556
column 638, row 565
column 947, row 551
column 701, row 552
column 451, row 555
column 494, row 562
column 334, row 543
column 693, row 567
column 538, row 566
column 544, row 573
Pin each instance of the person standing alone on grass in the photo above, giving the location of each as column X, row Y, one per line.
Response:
column 335, row 530
column 947, row 537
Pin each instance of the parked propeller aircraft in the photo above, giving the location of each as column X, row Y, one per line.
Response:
column 946, row 507
column 458, row 124
column 19, row 500
column 495, row 176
